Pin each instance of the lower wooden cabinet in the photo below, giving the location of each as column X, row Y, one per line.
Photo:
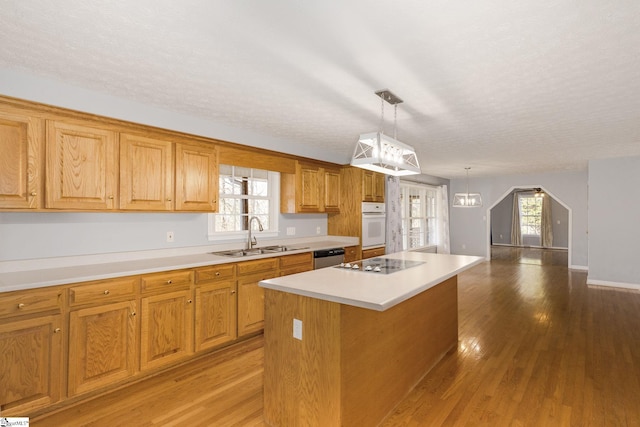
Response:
column 352, row 253
column 31, row 364
column 372, row 253
column 103, row 343
column 215, row 314
column 166, row 332
column 251, row 295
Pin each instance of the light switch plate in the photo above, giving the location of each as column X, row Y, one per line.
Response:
column 297, row 329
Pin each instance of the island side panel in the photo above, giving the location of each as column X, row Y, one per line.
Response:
column 385, row 354
column 301, row 377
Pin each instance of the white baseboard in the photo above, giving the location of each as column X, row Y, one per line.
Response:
column 613, row 284
column 579, row 267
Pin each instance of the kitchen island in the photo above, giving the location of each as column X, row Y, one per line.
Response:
column 344, row 346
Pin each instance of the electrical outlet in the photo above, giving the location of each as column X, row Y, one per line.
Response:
column 170, row 236
column 291, row 231
column 318, row 230
column 297, row 329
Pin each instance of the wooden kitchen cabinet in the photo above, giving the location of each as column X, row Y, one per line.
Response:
column 296, row 263
column 81, row 167
column 146, row 173
column 251, row 295
column 373, row 185
column 103, row 343
column 352, row 253
column 331, row 190
column 21, row 138
column 372, row 253
column 216, row 306
column 313, row 188
column 196, row 178
column 31, row 350
column 166, row 333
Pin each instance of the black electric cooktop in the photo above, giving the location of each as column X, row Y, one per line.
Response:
column 380, row 265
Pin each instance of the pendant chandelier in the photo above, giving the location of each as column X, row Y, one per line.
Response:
column 467, row 200
column 378, row 152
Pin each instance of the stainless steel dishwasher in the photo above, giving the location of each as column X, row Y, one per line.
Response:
column 327, row 257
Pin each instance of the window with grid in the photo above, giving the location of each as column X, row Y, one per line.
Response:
column 245, row 192
column 530, row 214
column 418, row 211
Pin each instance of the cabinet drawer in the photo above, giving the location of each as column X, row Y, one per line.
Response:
column 295, row 269
column 214, row 273
column 250, row 267
column 297, row 259
column 372, row 253
column 32, row 301
column 103, row 291
column 167, row 281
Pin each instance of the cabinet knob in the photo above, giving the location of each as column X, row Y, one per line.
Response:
column 133, row 313
column 217, row 273
column 33, row 193
column 106, row 291
column 21, row 305
column 56, row 330
column 233, row 291
column 189, row 301
column 214, row 201
column 169, row 282
column 111, row 197
column 169, row 199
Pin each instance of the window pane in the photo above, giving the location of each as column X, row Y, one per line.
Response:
column 259, row 188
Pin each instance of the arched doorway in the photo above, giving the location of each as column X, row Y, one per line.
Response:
column 499, row 221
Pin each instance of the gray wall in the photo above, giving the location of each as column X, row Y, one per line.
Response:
column 50, row 234
column 469, row 225
column 501, row 222
column 614, row 215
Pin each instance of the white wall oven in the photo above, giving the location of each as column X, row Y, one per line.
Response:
column 373, row 225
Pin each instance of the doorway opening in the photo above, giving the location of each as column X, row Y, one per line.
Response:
column 529, row 246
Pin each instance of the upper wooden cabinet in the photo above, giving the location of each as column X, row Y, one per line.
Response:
column 82, row 170
column 312, row 189
column 196, row 178
column 20, row 161
column 146, row 173
column 372, row 186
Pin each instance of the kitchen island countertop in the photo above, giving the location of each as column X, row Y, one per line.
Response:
column 375, row 291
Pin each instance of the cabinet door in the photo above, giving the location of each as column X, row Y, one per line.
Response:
column 352, row 253
column 331, row 190
column 309, row 189
column 81, row 167
column 215, row 314
column 368, row 186
column 251, row 302
column 30, row 364
column 167, row 329
column 196, row 178
column 146, row 173
column 379, row 180
column 20, row 162
column 102, row 346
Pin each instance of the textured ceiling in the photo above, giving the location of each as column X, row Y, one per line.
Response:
column 501, row 86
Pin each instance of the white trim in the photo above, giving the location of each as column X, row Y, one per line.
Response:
column 579, row 267
column 613, row 284
column 557, row 248
column 516, row 187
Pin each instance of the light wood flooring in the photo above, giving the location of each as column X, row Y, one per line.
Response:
column 537, row 347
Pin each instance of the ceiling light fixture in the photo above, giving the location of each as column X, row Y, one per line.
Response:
column 378, row 152
column 467, row 200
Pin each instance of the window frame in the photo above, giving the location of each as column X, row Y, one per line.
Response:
column 273, row 179
column 428, row 194
column 537, row 217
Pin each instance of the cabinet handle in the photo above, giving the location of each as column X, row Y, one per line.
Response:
column 189, row 301
column 33, row 193
column 56, row 330
column 106, row 291
column 233, row 291
column 133, row 313
column 217, row 273
column 214, row 201
column 21, row 305
column 111, row 197
column 169, row 282
column 169, row 199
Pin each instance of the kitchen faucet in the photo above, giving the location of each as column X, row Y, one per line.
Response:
column 252, row 242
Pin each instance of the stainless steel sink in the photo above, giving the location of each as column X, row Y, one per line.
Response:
column 237, row 253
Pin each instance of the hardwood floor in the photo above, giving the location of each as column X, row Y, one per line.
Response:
column 537, row 347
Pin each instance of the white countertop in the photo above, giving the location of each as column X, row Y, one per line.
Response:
column 375, row 291
column 49, row 272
